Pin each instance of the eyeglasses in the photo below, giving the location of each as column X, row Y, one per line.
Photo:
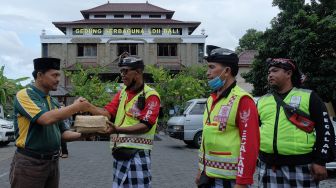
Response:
column 124, row 71
column 281, row 62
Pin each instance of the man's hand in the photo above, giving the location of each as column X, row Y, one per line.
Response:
column 88, row 135
column 112, row 128
column 319, row 172
column 82, row 104
column 80, row 99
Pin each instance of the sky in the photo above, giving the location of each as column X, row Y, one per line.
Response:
column 21, row 23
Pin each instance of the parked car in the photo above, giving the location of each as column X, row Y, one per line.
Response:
column 332, row 165
column 6, row 132
column 188, row 126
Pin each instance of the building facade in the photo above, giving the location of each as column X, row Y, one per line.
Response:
column 246, row 59
column 108, row 30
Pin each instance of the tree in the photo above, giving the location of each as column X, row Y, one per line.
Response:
column 8, row 89
column 250, row 41
column 86, row 83
column 307, row 34
column 175, row 90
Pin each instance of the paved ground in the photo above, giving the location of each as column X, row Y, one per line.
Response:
column 89, row 165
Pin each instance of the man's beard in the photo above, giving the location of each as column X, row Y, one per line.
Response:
column 274, row 87
column 132, row 84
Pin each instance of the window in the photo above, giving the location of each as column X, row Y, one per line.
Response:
column 135, row 16
column 87, row 50
column 130, row 48
column 155, row 16
column 198, row 109
column 99, row 16
column 200, row 52
column 118, row 16
column 156, row 31
column 44, row 50
column 167, row 49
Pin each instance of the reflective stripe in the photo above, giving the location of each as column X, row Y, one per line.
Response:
column 132, row 140
column 220, row 159
column 220, row 165
column 229, row 174
column 145, row 136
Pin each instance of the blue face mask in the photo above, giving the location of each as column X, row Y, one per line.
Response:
column 216, row 83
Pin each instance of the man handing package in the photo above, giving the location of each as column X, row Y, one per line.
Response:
column 134, row 111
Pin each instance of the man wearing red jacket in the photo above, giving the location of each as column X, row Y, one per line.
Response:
column 230, row 140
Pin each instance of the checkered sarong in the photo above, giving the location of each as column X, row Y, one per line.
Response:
column 285, row 176
column 223, row 183
column 134, row 173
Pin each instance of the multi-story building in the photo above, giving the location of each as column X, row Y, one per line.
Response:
column 108, row 30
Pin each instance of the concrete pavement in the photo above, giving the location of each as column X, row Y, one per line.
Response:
column 89, row 165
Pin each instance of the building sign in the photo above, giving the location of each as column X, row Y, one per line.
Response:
column 92, row 31
column 156, row 31
column 123, row 31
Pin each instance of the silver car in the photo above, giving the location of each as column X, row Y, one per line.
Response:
column 188, row 126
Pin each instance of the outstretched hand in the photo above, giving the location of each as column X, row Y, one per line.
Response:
column 83, row 104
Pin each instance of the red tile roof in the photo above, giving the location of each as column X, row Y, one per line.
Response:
column 126, row 7
column 246, row 57
column 125, row 21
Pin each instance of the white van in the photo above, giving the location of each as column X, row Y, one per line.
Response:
column 188, row 126
column 6, row 132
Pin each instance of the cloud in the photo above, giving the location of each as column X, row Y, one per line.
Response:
column 15, row 56
column 21, row 23
column 9, row 42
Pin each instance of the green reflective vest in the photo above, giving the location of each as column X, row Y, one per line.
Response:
column 274, row 124
column 127, row 116
column 221, row 141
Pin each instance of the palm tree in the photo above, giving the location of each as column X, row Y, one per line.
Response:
column 8, row 89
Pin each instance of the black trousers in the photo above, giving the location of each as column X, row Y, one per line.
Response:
column 64, row 148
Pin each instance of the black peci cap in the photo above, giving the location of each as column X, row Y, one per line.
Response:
column 126, row 60
column 223, row 56
column 46, row 63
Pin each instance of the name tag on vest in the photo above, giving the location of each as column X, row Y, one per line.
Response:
column 295, row 101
